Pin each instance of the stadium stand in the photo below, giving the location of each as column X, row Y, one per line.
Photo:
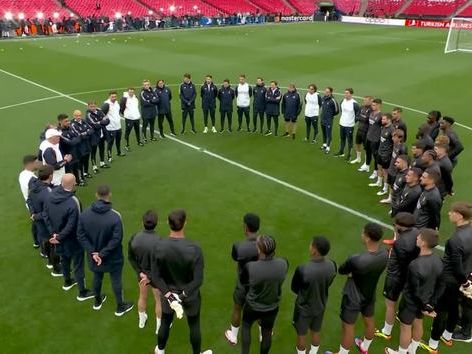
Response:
column 107, row 7
column 383, row 8
column 31, row 9
column 467, row 12
column 440, row 8
column 273, row 6
column 182, row 7
column 348, row 6
column 304, row 7
column 232, row 6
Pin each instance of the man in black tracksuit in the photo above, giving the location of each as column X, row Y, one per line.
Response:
column 209, row 92
column 291, row 108
column 100, row 232
column 410, row 194
column 310, row 283
column 419, row 295
column 226, row 97
column 69, row 144
column 96, row 119
column 404, row 250
column 272, row 107
column 445, row 165
column 428, row 209
column 457, row 269
column 39, row 191
column 363, row 271
column 263, row 280
column 140, row 248
column 149, row 100
column 455, row 145
column 362, row 120
column 242, row 252
column 399, row 181
column 61, row 216
column 329, row 109
column 373, row 135
column 164, row 109
column 177, row 271
column 258, row 104
column 84, row 131
column 187, row 94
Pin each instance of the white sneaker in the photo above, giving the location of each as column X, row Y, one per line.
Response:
column 375, row 184
column 209, row 351
column 205, row 130
column 382, row 192
column 364, row 168
column 230, row 338
column 142, row 320
column 373, row 175
column 386, row 201
column 213, row 130
column 355, row 161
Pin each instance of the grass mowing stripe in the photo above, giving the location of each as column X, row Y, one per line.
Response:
column 234, row 163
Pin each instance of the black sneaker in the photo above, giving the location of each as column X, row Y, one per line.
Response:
column 123, row 308
column 97, row 305
column 56, row 273
column 86, row 295
column 222, row 131
column 460, row 336
column 35, row 246
column 69, row 284
column 104, row 166
column 141, row 144
column 267, row 133
column 339, row 154
column 286, row 134
column 145, row 140
column 96, row 170
column 88, row 175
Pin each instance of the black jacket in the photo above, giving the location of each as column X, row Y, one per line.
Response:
column 209, row 94
column 226, row 98
column 101, row 230
column 37, row 197
column 329, row 109
column 165, row 97
column 363, row 120
column 69, row 143
column 244, row 252
column 428, row 209
column 404, row 250
column 408, row 200
column 61, row 215
column 455, row 145
column 149, row 101
column 187, row 94
column 446, row 182
column 96, row 119
column 259, row 101
column 291, row 105
column 84, row 131
column 272, row 99
column 140, row 248
column 458, row 256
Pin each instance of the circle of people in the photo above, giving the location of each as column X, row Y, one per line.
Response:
column 173, row 267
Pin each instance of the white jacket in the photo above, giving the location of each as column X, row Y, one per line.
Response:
column 132, row 107
column 243, row 99
column 57, row 175
column 114, row 116
column 312, row 108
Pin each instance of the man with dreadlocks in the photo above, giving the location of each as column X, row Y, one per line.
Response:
column 263, row 279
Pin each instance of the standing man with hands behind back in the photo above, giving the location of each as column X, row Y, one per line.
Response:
column 187, row 95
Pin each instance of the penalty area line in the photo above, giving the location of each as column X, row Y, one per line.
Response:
column 235, row 164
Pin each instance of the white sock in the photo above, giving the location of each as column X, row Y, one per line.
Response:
column 379, row 180
column 433, row 343
column 447, row 335
column 385, row 186
column 387, row 329
column 159, row 351
column 413, row 347
column 402, row 351
column 342, row 350
column 314, row 349
column 234, row 331
column 142, row 316
column 158, row 324
column 300, row 351
column 358, row 155
column 366, row 344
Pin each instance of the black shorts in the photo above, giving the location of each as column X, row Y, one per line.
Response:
column 391, row 179
column 361, row 137
column 384, row 162
column 302, row 323
column 239, row 295
column 191, row 307
column 392, row 289
column 408, row 313
column 350, row 310
column 266, row 318
column 293, row 120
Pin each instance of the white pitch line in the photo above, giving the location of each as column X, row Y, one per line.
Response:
column 29, row 102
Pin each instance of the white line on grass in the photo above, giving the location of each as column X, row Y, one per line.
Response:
column 234, row 163
column 28, row 102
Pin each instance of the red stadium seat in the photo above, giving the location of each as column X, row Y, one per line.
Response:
column 440, row 8
column 181, row 7
column 233, row 6
column 107, row 7
column 467, row 12
column 31, row 9
column 303, row 7
column 383, row 8
column 348, row 6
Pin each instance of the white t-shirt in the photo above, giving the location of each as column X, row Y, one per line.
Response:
column 243, row 99
column 348, row 115
column 114, row 116
column 132, row 107
column 57, row 175
column 23, row 179
column 312, row 108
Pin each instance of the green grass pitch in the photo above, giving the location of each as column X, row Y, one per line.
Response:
column 37, row 316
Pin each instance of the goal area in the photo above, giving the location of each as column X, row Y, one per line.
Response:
column 459, row 38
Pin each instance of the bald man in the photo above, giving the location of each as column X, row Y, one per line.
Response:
column 85, row 131
column 62, row 211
